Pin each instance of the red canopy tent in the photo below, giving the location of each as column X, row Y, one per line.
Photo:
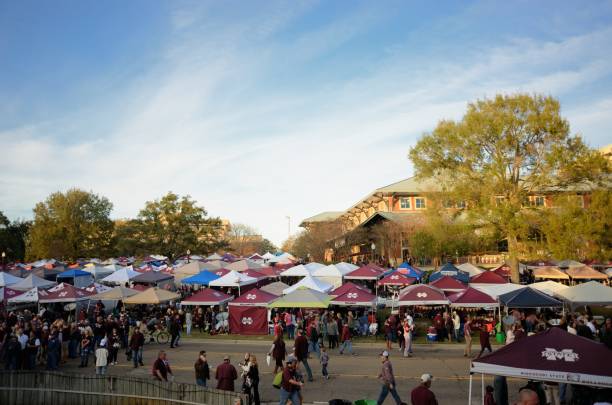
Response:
column 248, row 314
column 270, row 272
column 220, row 272
column 397, row 279
column 472, row 298
column 207, row 297
column 355, row 297
column 7, row 292
column 368, row 272
column 140, row 287
column 503, row 270
column 255, row 274
column 448, row 284
column 422, row 294
column 553, row 355
column 488, row 277
column 347, row 287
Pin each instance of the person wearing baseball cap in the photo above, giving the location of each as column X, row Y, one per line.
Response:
column 422, row 395
column 387, row 380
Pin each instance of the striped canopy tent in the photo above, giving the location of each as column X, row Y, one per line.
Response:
column 396, row 279
column 472, row 298
column 422, row 295
column 448, row 284
column 549, row 273
column 153, row 295
column 302, row 298
column 585, row 273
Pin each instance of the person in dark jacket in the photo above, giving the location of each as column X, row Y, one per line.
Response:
column 174, row 331
column 136, row 345
column 301, row 352
column 278, row 352
column 253, row 380
column 202, row 371
column 226, row 374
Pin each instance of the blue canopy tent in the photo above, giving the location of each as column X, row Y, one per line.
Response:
column 79, row 278
column 449, row 270
column 528, row 298
column 202, row 278
column 407, row 270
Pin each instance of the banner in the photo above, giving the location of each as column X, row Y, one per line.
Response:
column 248, row 320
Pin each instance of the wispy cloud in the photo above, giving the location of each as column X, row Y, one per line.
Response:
column 212, row 121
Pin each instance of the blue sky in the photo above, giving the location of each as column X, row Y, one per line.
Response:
column 262, row 110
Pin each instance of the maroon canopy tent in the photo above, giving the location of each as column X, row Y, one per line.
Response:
column 448, row 284
column 553, row 355
column 397, row 279
column 367, row 272
column 248, row 314
column 347, row 287
column 472, row 298
column 422, row 294
column 207, row 297
column 488, row 277
column 355, row 297
column 65, row 293
column 220, row 272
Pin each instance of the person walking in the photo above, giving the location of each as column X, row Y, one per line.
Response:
column 301, row 352
column 407, row 339
column 324, row 362
column 467, row 334
column 485, row 342
column 290, row 324
column 136, row 346
column 346, row 340
column 174, row 332
column 278, row 352
column 457, row 325
column 101, row 357
column 422, row 395
column 313, row 337
column 202, row 371
column 253, row 380
column 387, row 380
column 332, row 332
column 290, row 386
column 225, row 375
column 188, row 322
column 161, row 368
column 114, row 343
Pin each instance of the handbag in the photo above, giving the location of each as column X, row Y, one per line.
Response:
column 278, row 379
column 268, row 360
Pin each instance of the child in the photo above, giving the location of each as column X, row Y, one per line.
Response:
column 324, row 362
column 488, row 399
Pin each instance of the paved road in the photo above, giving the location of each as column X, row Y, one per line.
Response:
column 351, row 377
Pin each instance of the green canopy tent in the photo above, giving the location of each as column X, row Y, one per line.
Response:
column 302, row 298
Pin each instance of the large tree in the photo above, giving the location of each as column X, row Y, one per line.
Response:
column 501, row 152
column 243, row 239
column 71, row 225
column 172, row 225
column 13, row 238
column 315, row 240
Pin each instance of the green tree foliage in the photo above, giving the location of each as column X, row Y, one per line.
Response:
column 572, row 231
column 13, row 237
column 508, row 147
column 170, row 226
column 71, row 225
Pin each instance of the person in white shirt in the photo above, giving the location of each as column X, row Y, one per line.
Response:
column 188, row 322
column 456, row 325
column 101, row 358
column 22, row 338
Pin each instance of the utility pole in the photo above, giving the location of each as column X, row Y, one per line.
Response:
column 288, row 226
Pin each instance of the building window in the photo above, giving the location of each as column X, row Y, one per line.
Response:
column 419, row 203
column 461, row 204
column 539, row 201
column 447, row 204
column 405, row 203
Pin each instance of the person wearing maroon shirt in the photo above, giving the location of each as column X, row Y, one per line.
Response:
column 422, row 395
column 301, row 352
column 226, row 374
column 290, row 386
column 345, row 338
column 161, row 367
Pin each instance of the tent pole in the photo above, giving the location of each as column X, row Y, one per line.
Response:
column 482, row 387
column 470, row 390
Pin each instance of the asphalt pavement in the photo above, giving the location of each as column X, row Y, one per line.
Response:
column 351, row 377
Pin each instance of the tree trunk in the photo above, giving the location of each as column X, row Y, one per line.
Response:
column 514, row 263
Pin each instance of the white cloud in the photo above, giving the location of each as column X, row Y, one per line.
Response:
column 200, row 123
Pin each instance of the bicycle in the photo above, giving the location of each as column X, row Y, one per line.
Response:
column 159, row 335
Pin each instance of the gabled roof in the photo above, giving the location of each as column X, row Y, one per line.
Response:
column 585, row 273
column 396, row 278
column 549, row 272
column 472, row 298
column 345, row 288
column 311, row 283
column 528, row 298
column 275, row 288
column 355, row 296
column 447, row 283
column 254, row 298
column 590, row 293
column 152, row 277
column 422, row 294
column 488, row 277
column 65, row 293
column 233, row 279
column 365, row 273
column 322, row 217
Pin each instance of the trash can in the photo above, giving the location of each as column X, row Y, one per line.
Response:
column 366, row 402
column 500, row 338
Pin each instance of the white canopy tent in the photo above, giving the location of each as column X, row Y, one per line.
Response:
column 7, row 279
column 233, row 279
column 31, row 282
column 470, row 268
column 333, row 273
column 296, row 271
column 495, row 290
column 311, row 283
column 590, row 293
column 312, row 266
column 346, row 267
column 549, row 287
column 267, row 256
column 31, row 296
column 121, row 276
column 214, row 256
column 99, row 272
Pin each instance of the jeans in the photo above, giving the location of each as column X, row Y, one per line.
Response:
column 324, row 370
column 290, row 331
column 308, row 370
column 562, row 391
column 314, row 347
column 32, row 360
column 84, row 356
column 72, row 348
column 52, row 360
column 285, row 395
column 188, row 328
column 348, row 345
column 174, row 340
column 201, row 382
column 137, row 356
column 100, row 370
column 385, row 391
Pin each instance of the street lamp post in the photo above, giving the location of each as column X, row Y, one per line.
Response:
column 288, row 226
column 373, row 246
column 188, row 253
column 3, row 259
